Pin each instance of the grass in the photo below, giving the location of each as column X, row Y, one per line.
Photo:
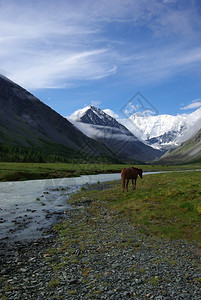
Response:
column 28, row 171
column 163, row 205
column 24, row 171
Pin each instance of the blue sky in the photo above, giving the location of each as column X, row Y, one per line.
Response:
column 75, row 53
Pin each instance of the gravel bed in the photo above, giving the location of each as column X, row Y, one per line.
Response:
column 96, row 254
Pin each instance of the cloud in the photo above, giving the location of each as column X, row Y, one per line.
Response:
column 111, row 113
column 95, row 103
column 88, row 129
column 102, row 132
column 65, row 43
column 155, row 65
column 50, row 46
column 194, row 104
column 60, row 70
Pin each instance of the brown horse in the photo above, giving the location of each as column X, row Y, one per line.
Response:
column 130, row 173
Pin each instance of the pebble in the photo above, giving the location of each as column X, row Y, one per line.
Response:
column 109, row 259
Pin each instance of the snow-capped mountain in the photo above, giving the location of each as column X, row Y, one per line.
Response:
column 93, row 115
column 98, row 125
column 163, row 131
column 187, row 152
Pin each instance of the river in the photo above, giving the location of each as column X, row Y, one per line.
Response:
column 29, row 207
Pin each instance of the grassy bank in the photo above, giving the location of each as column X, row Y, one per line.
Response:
column 27, row 171
column 164, row 205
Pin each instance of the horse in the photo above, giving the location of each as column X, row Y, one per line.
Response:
column 130, row 173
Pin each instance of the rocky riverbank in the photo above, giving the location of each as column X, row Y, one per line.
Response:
column 96, row 254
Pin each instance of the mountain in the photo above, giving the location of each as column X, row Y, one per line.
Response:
column 98, row 125
column 163, row 131
column 27, row 122
column 189, row 151
column 95, row 116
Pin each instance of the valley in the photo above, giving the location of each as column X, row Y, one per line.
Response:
column 45, row 230
column 31, row 131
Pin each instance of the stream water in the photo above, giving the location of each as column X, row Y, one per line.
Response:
column 27, row 208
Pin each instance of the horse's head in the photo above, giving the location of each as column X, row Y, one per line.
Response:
column 140, row 172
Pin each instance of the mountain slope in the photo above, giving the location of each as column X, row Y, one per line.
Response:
column 98, row 125
column 163, row 131
column 26, row 121
column 189, row 151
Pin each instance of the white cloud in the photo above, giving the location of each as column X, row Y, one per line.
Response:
column 111, row 113
column 50, row 46
column 95, row 103
column 194, row 104
column 65, row 42
column 154, row 65
column 88, row 129
column 98, row 132
column 63, row 69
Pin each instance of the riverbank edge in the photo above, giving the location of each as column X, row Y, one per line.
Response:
column 22, row 172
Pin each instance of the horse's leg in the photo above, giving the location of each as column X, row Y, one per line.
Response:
column 123, row 184
column 135, row 184
column 132, row 185
column 127, row 185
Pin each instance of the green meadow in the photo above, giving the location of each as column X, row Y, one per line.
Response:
column 10, row 171
column 163, row 205
column 27, row 171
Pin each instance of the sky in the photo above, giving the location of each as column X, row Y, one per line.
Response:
column 74, row 53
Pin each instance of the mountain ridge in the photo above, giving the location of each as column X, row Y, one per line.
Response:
column 99, row 125
column 26, row 121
